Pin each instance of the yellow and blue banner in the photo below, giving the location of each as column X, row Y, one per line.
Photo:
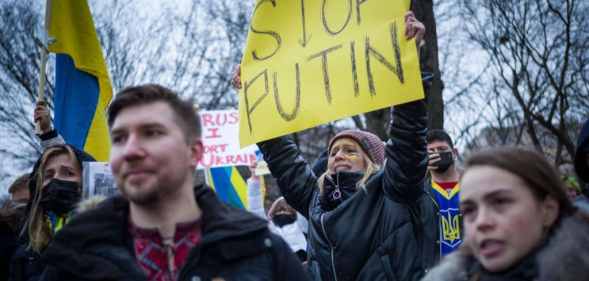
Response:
column 82, row 86
column 229, row 185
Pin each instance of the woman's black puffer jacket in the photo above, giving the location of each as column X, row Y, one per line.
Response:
column 377, row 233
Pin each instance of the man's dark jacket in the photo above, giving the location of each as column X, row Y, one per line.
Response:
column 377, row 233
column 235, row 245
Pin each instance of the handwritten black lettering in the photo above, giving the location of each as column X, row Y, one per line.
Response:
column 247, row 85
column 397, row 68
column 305, row 40
column 358, row 16
column 354, row 68
column 325, row 69
column 273, row 34
column 397, row 51
column 324, row 17
column 289, row 116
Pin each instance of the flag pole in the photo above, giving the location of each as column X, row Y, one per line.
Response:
column 43, row 63
column 42, row 75
column 44, row 52
column 41, row 89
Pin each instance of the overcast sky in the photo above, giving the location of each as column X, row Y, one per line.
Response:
column 449, row 33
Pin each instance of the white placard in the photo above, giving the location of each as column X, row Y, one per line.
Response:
column 220, row 136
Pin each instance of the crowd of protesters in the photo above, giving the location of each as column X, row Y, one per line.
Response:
column 365, row 210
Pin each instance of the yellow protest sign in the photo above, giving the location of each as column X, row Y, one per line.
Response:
column 308, row 62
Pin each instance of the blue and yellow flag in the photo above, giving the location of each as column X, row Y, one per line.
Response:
column 229, row 185
column 82, row 86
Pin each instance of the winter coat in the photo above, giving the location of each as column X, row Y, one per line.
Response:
column 25, row 263
column 582, row 147
column 565, row 257
column 235, row 245
column 377, row 233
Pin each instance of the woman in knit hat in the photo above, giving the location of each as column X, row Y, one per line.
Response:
column 367, row 209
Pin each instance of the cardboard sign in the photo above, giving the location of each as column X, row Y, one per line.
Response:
column 308, row 62
column 220, row 136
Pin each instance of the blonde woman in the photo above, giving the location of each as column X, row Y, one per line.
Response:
column 365, row 214
column 55, row 188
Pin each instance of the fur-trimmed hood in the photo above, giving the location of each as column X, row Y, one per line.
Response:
column 89, row 204
column 451, row 268
column 564, row 258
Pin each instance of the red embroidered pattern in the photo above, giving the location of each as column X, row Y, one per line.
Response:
column 152, row 254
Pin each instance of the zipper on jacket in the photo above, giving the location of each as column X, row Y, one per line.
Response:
column 331, row 250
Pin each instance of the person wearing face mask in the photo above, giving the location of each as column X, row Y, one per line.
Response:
column 444, row 190
column 518, row 223
column 283, row 219
column 55, row 189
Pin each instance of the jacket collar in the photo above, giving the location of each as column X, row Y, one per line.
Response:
column 221, row 221
column 101, row 234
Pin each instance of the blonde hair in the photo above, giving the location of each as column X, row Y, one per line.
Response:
column 38, row 230
column 371, row 168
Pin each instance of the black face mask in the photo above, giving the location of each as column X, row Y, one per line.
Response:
column 60, row 196
column 446, row 160
column 338, row 189
column 284, row 219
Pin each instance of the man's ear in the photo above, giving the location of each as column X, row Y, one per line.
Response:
column 197, row 151
column 550, row 208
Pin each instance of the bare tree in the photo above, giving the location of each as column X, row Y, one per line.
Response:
column 191, row 49
column 424, row 11
column 19, row 69
column 376, row 121
column 213, row 37
column 538, row 58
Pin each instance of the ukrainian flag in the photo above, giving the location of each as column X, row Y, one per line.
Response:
column 82, row 86
column 229, row 185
